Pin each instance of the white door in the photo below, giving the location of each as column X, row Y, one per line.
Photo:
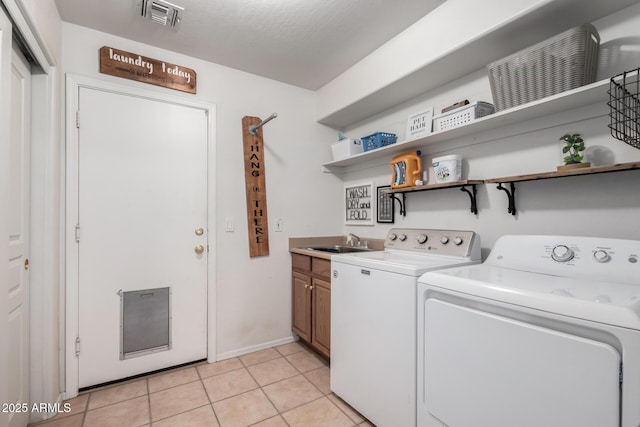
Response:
column 18, row 227
column 142, row 235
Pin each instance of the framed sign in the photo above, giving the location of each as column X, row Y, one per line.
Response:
column 419, row 124
column 385, row 208
column 358, row 203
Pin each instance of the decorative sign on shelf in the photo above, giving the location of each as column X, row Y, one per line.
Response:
column 419, row 124
column 132, row 66
column 385, row 205
column 359, row 201
column 255, row 188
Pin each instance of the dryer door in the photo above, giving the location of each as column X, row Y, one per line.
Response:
column 486, row 370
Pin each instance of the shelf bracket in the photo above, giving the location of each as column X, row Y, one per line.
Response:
column 472, row 196
column 511, row 196
column 403, row 203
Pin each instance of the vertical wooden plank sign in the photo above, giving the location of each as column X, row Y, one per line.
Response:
column 255, row 188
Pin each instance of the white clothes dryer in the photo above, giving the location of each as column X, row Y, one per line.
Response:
column 546, row 332
column 373, row 319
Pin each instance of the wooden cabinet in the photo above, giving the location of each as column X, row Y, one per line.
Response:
column 311, row 301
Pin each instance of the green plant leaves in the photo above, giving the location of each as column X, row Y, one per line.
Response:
column 574, row 145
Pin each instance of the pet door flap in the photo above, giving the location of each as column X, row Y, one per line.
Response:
column 145, row 322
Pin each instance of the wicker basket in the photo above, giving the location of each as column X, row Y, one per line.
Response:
column 566, row 61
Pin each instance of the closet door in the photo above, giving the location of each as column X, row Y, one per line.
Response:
column 15, row 112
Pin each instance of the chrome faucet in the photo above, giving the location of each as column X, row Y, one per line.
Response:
column 358, row 242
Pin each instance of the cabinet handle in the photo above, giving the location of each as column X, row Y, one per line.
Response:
column 311, row 287
column 306, row 286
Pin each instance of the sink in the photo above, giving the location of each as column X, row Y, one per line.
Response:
column 338, row 249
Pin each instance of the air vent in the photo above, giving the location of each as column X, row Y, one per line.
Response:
column 162, row 12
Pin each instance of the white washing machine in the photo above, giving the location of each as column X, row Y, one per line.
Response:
column 373, row 319
column 546, row 332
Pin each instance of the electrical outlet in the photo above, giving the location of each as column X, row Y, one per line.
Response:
column 278, row 225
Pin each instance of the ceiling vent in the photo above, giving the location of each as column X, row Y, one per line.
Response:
column 162, row 12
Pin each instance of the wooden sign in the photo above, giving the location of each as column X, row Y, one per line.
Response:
column 255, row 188
column 132, row 66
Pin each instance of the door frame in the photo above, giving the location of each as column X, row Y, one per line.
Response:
column 73, row 85
column 45, row 310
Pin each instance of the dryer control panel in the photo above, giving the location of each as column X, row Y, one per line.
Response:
column 615, row 260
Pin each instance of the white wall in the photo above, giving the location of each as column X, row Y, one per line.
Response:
column 253, row 294
column 596, row 205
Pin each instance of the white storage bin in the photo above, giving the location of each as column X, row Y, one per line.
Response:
column 346, row 148
column 462, row 115
column 447, row 168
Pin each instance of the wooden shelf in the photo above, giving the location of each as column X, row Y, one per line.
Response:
column 456, row 184
column 511, row 180
column 585, row 95
column 435, row 186
column 575, row 172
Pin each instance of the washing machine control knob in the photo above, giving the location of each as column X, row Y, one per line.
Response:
column 457, row 240
column 402, row 237
column 393, row 236
column 444, row 240
column 422, row 238
column 562, row 253
column 601, row 255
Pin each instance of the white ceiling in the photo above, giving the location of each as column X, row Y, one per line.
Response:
column 306, row 43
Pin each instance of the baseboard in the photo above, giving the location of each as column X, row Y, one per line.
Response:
column 253, row 348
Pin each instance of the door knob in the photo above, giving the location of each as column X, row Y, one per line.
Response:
column 199, row 231
column 199, row 249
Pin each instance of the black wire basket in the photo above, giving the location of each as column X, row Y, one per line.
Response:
column 624, row 104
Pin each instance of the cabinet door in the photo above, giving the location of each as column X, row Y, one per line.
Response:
column 301, row 305
column 321, row 313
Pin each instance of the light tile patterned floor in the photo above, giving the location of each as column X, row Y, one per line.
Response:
column 277, row 387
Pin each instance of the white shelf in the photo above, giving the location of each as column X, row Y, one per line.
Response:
column 550, row 19
column 582, row 96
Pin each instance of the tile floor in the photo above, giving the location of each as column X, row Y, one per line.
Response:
column 284, row 386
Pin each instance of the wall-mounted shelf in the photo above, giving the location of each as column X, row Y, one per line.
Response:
column 456, row 184
column 582, row 96
column 511, row 180
column 542, row 20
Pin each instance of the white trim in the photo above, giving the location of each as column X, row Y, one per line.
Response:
column 73, row 84
column 29, row 30
column 212, row 300
column 5, row 109
column 45, row 354
column 254, row 348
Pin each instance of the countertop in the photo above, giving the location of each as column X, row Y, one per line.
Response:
column 299, row 245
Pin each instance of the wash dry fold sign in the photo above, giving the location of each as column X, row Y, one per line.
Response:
column 132, row 66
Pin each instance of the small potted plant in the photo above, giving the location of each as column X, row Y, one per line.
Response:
column 574, row 145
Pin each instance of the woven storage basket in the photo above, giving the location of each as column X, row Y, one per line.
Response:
column 566, row 61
